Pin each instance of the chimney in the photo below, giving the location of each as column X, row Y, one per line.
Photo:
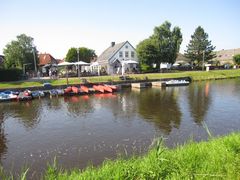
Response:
column 112, row 44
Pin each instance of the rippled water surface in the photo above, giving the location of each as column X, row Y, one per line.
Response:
column 79, row 130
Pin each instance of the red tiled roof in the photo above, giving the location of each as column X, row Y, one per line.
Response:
column 46, row 59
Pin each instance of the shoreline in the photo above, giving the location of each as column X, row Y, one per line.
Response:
column 115, row 80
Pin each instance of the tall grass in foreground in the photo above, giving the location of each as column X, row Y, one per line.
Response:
column 216, row 159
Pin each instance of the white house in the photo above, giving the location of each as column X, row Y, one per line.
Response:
column 119, row 58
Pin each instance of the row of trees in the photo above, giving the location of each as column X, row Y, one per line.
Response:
column 164, row 45
column 22, row 52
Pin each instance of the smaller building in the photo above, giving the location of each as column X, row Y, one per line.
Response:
column 119, row 58
column 47, row 62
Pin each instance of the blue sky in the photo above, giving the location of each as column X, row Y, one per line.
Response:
column 57, row 25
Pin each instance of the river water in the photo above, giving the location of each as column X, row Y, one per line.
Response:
column 83, row 130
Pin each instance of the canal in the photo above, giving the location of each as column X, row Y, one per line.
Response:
column 83, row 130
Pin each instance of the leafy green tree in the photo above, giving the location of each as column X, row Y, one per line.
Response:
column 237, row 59
column 19, row 52
column 85, row 54
column 162, row 46
column 198, row 45
column 147, row 54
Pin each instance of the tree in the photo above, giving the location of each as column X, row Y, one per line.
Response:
column 200, row 46
column 19, row 52
column 147, row 54
column 237, row 59
column 162, row 46
column 85, row 54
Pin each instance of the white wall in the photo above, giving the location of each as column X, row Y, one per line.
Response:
column 124, row 49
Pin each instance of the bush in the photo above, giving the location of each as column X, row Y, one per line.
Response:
column 10, row 74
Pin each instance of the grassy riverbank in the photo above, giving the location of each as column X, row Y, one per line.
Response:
column 195, row 75
column 216, row 159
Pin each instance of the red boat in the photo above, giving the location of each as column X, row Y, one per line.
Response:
column 107, row 88
column 75, row 89
column 98, row 88
column 68, row 90
column 112, row 87
column 84, row 89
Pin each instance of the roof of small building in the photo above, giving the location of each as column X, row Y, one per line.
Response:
column 46, row 58
column 109, row 52
column 227, row 54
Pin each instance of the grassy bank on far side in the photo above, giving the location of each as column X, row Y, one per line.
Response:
column 195, row 75
column 216, row 159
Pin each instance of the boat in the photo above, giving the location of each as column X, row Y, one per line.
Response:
column 53, row 92
column 25, row 95
column 98, row 88
column 75, row 90
column 36, row 94
column 68, row 90
column 84, row 89
column 59, row 91
column 107, row 88
column 7, row 96
column 175, row 82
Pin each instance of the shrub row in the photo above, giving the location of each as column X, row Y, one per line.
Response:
column 10, row 74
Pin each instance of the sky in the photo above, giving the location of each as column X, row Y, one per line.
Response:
column 57, row 25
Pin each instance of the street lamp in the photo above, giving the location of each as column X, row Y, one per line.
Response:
column 203, row 60
column 78, row 61
column 34, row 59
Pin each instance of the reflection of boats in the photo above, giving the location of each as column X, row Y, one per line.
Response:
column 98, row 88
column 84, row 89
column 105, row 95
column 7, row 96
column 177, row 82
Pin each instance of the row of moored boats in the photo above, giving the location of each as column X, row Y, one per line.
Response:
column 71, row 90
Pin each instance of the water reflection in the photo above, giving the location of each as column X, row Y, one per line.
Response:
column 28, row 113
column 199, row 99
column 3, row 140
column 79, row 105
column 160, row 106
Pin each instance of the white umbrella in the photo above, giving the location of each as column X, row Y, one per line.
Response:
column 81, row 63
column 65, row 63
column 130, row 62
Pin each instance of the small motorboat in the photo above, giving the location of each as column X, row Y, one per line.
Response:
column 37, row 94
column 60, row 91
column 98, row 88
column 7, row 96
column 75, row 90
column 177, row 82
column 53, row 92
column 25, row 95
column 84, row 89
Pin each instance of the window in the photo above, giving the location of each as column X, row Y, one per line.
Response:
column 132, row 54
column 126, row 54
column 120, row 54
column 126, row 46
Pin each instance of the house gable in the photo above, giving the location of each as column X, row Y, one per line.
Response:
column 111, row 54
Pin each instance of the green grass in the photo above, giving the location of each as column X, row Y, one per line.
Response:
column 218, row 158
column 195, row 75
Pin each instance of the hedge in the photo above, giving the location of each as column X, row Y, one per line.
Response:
column 10, row 74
